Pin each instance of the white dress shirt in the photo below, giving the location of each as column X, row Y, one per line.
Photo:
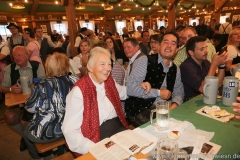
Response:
column 78, row 40
column 72, row 122
column 5, row 49
column 77, row 61
column 225, row 28
column 50, row 42
column 73, row 67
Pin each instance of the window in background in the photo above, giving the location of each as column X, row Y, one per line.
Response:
column 138, row 23
column 191, row 21
column 119, row 25
column 61, row 28
column 4, row 32
column 223, row 18
column 160, row 23
column 89, row 25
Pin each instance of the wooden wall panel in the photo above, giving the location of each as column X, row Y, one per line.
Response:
column 47, row 24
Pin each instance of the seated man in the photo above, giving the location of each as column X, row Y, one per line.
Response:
column 196, row 67
column 21, row 67
column 161, row 73
column 47, row 102
column 93, row 108
column 187, row 33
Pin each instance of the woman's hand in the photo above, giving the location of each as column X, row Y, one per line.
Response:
column 84, row 60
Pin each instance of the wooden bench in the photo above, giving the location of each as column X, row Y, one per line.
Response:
column 44, row 147
column 66, row 156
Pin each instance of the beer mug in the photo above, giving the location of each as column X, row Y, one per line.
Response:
column 119, row 61
column 162, row 115
column 167, row 149
column 24, row 83
column 210, row 90
column 230, row 90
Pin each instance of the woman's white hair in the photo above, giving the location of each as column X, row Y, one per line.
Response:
column 96, row 51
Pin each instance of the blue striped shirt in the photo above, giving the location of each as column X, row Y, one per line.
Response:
column 138, row 74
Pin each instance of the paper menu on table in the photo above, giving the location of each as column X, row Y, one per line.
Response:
column 122, row 145
column 128, row 139
column 197, row 146
column 209, row 150
column 108, row 150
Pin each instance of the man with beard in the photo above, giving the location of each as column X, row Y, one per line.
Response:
column 196, row 67
column 164, row 77
column 186, row 34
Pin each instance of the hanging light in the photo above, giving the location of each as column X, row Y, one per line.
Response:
column 80, row 6
column 161, row 9
column 108, row 7
column 126, row 8
column 17, row 5
column 194, row 6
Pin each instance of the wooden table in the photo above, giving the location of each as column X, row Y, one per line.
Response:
column 13, row 99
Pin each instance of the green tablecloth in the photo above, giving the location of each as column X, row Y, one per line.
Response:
column 226, row 135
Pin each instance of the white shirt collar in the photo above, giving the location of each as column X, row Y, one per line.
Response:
column 134, row 57
column 98, row 86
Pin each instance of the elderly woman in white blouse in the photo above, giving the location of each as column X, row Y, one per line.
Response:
column 93, row 108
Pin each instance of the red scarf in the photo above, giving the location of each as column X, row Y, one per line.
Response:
column 90, row 125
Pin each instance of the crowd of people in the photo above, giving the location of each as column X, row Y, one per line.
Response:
column 87, row 98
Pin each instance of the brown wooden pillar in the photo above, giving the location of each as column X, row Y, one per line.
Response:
column 171, row 13
column 172, row 17
column 218, row 7
column 72, row 28
column 33, row 21
column 33, row 11
column 217, row 16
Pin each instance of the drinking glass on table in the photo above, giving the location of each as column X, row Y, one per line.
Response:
column 167, row 149
column 162, row 115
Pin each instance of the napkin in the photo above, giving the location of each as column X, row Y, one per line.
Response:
column 188, row 135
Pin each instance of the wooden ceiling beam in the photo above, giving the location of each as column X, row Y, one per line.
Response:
column 219, row 4
column 171, row 3
column 64, row 2
column 34, row 7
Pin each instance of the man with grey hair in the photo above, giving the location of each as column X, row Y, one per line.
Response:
column 125, row 34
column 21, row 67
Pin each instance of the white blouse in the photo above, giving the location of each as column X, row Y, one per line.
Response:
column 232, row 52
column 72, row 122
